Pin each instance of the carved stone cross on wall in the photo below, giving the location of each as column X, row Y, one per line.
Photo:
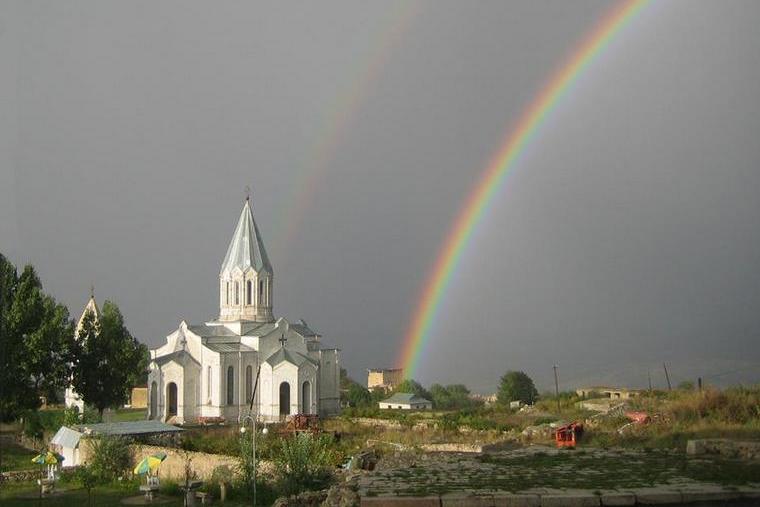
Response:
column 282, row 339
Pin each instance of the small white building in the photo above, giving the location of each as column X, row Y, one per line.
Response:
column 208, row 371
column 66, row 443
column 406, row 401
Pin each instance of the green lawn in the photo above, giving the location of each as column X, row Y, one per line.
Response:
column 12, row 495
column 129, row 414
column 22, row 495
column 15, row 457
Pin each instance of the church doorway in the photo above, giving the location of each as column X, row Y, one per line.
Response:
column 153, row 400
column 306, row 398
column 284, row 398
column 171, row 400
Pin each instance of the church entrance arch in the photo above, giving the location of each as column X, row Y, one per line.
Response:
column 284, row 398
column 306, row 398
column 171, row 400
column 153, row 400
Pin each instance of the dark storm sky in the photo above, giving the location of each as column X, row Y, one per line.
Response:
column 626, row 236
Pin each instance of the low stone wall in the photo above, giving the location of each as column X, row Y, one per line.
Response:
column 173, row 467
column 20, row 475
column 724, row 447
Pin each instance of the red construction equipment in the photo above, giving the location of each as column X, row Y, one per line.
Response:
column 638, row 417
column 568, row 435
column 301, row 423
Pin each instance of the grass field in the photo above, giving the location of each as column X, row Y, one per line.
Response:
column 15, row 457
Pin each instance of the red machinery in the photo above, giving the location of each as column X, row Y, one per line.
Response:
column 568, row 435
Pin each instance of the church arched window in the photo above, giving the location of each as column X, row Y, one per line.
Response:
column 261, row 292
column 248, row 382
column 237, row 293
column 227, row 294
column 248, row 291
column 230, row 385
column 208, row 384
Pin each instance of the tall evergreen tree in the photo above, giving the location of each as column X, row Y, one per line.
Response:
column 109, row 361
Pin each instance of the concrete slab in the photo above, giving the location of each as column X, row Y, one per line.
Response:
column 749, row 491
column 516, row 500
column 401, row 501
column 657, row 496
column 466, row 500
column 707, row 493
column 575, row 499
column 616, row 498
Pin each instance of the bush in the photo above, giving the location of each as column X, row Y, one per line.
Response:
column 111, row 457
column 32, row 425
column 303, row 462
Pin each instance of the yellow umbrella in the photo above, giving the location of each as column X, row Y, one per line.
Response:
column 47, row 458
column 150, row 464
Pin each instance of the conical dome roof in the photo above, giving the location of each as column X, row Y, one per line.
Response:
column 246, row 248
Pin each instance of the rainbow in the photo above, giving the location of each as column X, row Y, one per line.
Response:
column 492, row 179
column 336, row 125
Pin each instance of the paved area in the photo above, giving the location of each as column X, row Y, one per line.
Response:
column 541, row 476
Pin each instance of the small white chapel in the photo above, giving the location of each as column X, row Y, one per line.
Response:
column 208, row 371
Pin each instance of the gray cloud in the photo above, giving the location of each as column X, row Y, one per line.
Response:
column 627, row 235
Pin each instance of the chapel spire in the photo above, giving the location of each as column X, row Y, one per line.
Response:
column 245, row 278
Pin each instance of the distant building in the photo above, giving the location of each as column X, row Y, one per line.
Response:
column 71, row 397
column 385, row 378
column 138, row 398
column 406, row 401
column 619, row 393
column 486, row 399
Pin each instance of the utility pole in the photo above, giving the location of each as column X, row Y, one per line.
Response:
column 649, row 378
column 699, row 383
column 667, row 377
column 556, row 386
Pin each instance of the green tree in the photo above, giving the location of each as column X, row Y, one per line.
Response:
column 358, row 396
column 49, row 349
column 516, row 386
column 35, row 337
column 454, row 396
column 412, row 386
column 109, row 361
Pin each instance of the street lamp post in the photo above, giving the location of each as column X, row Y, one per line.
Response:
column 252, row 418
column 264, row 431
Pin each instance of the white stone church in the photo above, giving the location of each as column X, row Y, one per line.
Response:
column 207, row 371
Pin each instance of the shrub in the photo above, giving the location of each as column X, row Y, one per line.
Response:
column 88, row 479
column 111, row 457
column 303, row 462
column 32, row 425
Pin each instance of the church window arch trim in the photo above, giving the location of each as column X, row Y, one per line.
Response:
column 230, row 385
column 248, row 292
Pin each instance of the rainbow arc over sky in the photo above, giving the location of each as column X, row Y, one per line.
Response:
column 492, row 179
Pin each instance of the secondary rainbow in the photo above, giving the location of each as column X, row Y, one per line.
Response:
column 491, row 180
column 337, row 123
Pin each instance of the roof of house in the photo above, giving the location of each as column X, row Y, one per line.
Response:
column 246, row 250
column 405, row 398
column 283, row 354
column 66, row 437
column 127, row 428
column 228, row 347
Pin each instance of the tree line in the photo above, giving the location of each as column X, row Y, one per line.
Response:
column 513, row 386
column 40, row 356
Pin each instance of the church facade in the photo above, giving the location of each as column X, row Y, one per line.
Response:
column 209, row 371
